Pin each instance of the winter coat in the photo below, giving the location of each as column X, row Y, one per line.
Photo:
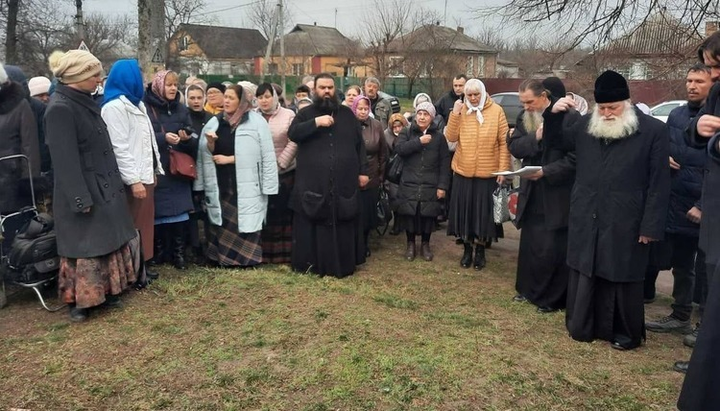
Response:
column 445, row 104
column 329, row 162
column 18, row 135
column 390, row 140
column 425, row 170
column 134, row 141
column 255, row 170
column 381, row 109
column 710, row 224
column 556, row 184
column 376, row 150
column 285, row 150
column 173, row 194
column 686, row 186
column 621, row 192
column 481, row 148
column 86, row 175
column 198, row 119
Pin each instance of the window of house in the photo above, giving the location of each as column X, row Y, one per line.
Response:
column 396, row 66
column 184, row 43
column 470, row 67
column 273, row 68
column 638, row 71
column 481, row 67
column 298, row 69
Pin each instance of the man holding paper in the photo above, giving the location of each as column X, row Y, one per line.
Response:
column 543, row 201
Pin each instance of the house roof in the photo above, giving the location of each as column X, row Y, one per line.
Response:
column 311, row 40
column 225, row 42
column 434, row 36
column 660, row 34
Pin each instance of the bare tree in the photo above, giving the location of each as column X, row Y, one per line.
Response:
column 262, row 17
column 179, row 12
column 385, row 22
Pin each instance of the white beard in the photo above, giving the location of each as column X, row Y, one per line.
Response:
column 531, row 121
column 621, row 127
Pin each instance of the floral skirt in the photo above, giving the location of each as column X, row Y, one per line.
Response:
column 86, row 281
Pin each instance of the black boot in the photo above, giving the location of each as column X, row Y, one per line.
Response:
column 479, row 262
column 179, row 252
column 467, row 256
column 158, row 250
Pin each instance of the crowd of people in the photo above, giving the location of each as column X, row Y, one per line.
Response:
column 235, row 175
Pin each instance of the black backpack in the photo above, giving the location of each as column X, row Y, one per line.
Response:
column 34, row 250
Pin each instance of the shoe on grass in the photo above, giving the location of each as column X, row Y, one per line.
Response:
column 669, row 324
column 689, row 340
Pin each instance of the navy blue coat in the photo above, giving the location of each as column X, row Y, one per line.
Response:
column 687, row 182
column 173, row 195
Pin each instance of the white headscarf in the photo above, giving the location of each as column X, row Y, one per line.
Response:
column 472, row 85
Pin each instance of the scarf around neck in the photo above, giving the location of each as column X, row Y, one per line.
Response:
column 475, row 84
column 235, row 118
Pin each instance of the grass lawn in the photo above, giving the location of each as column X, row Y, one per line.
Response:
column 395, row 336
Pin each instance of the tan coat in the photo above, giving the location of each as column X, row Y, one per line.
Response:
column 481, row 148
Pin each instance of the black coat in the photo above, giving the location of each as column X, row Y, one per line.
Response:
column 173, row 195
column 710, row 202
column 329, row 162
column 687, row 182
column 199, row 119
column 425, row 170
column 445, row 104
column 553, row 189
column 621, row 192
column 86, row 175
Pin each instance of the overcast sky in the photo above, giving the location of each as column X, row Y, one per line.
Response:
column 349, row 12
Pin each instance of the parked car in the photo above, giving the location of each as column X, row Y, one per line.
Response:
column 394, row 102
column 510, row 102
column 662, row 110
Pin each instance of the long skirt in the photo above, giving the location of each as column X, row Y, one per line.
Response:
column 542, row 274
column 700, row 389
column 471, row 209
column 229, row 247
column 323, row 249
column 416, row 224
column 610, row 311
column 86, row 281
column 143, row 215
column 277, row 233
column 368, row 209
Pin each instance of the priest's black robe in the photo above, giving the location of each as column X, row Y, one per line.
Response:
column 621, row 192
column 325, row 200
column 542, row 216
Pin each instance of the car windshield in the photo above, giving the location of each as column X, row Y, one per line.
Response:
column 665, row 109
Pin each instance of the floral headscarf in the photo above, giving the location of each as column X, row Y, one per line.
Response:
column 158, row 84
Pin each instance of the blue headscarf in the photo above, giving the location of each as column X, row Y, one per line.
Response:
column 126, row 80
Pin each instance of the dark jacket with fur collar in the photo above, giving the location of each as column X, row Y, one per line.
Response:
column 18, row 135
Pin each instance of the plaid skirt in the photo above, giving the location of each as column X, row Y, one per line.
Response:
column 86, row 281
column 277, row 233
column 227, row 246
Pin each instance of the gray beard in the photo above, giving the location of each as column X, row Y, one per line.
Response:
column 532, row 120
column 623, row 126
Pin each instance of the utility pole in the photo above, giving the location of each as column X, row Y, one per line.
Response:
column 11, row 56
column 268, row 51
column 151, row 36
column 281, row 13
column 79, row 22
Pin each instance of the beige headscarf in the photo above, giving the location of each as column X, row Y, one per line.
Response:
column 475, row 84
column 74, row 66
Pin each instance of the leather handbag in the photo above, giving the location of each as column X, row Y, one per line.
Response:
column 394, row 169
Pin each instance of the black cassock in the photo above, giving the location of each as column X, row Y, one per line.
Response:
column 542, row 216
column 621, row 192
column 326, row 235
column 701, row 389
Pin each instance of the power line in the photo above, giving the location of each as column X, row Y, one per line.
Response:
column 205, row 13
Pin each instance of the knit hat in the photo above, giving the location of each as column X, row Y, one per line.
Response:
column 3, row 75
column 555, row 86
column 611, row 87
column 74, row 66
column 421, row 97
column 39, row 85
column 218, row 86
column 425, row 106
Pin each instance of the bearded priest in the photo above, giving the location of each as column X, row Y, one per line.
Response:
column 618, row 207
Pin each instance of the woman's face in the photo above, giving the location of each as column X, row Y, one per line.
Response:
column 363, row 110
column 215, row 97
column 350, row 96
column 171, row 88
column 423, row 119
column 232, row 102
column 473, row 97
column 265, row 101
column 397, row 127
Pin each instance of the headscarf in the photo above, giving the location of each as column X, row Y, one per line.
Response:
column 475, row 84
column 275, row 103
column 198, row 87
column 397, row 117
column 234, row 118
column 125, row 79
column 158, row 84
column 581, row 105
column 357, row 100
column 423, row 97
